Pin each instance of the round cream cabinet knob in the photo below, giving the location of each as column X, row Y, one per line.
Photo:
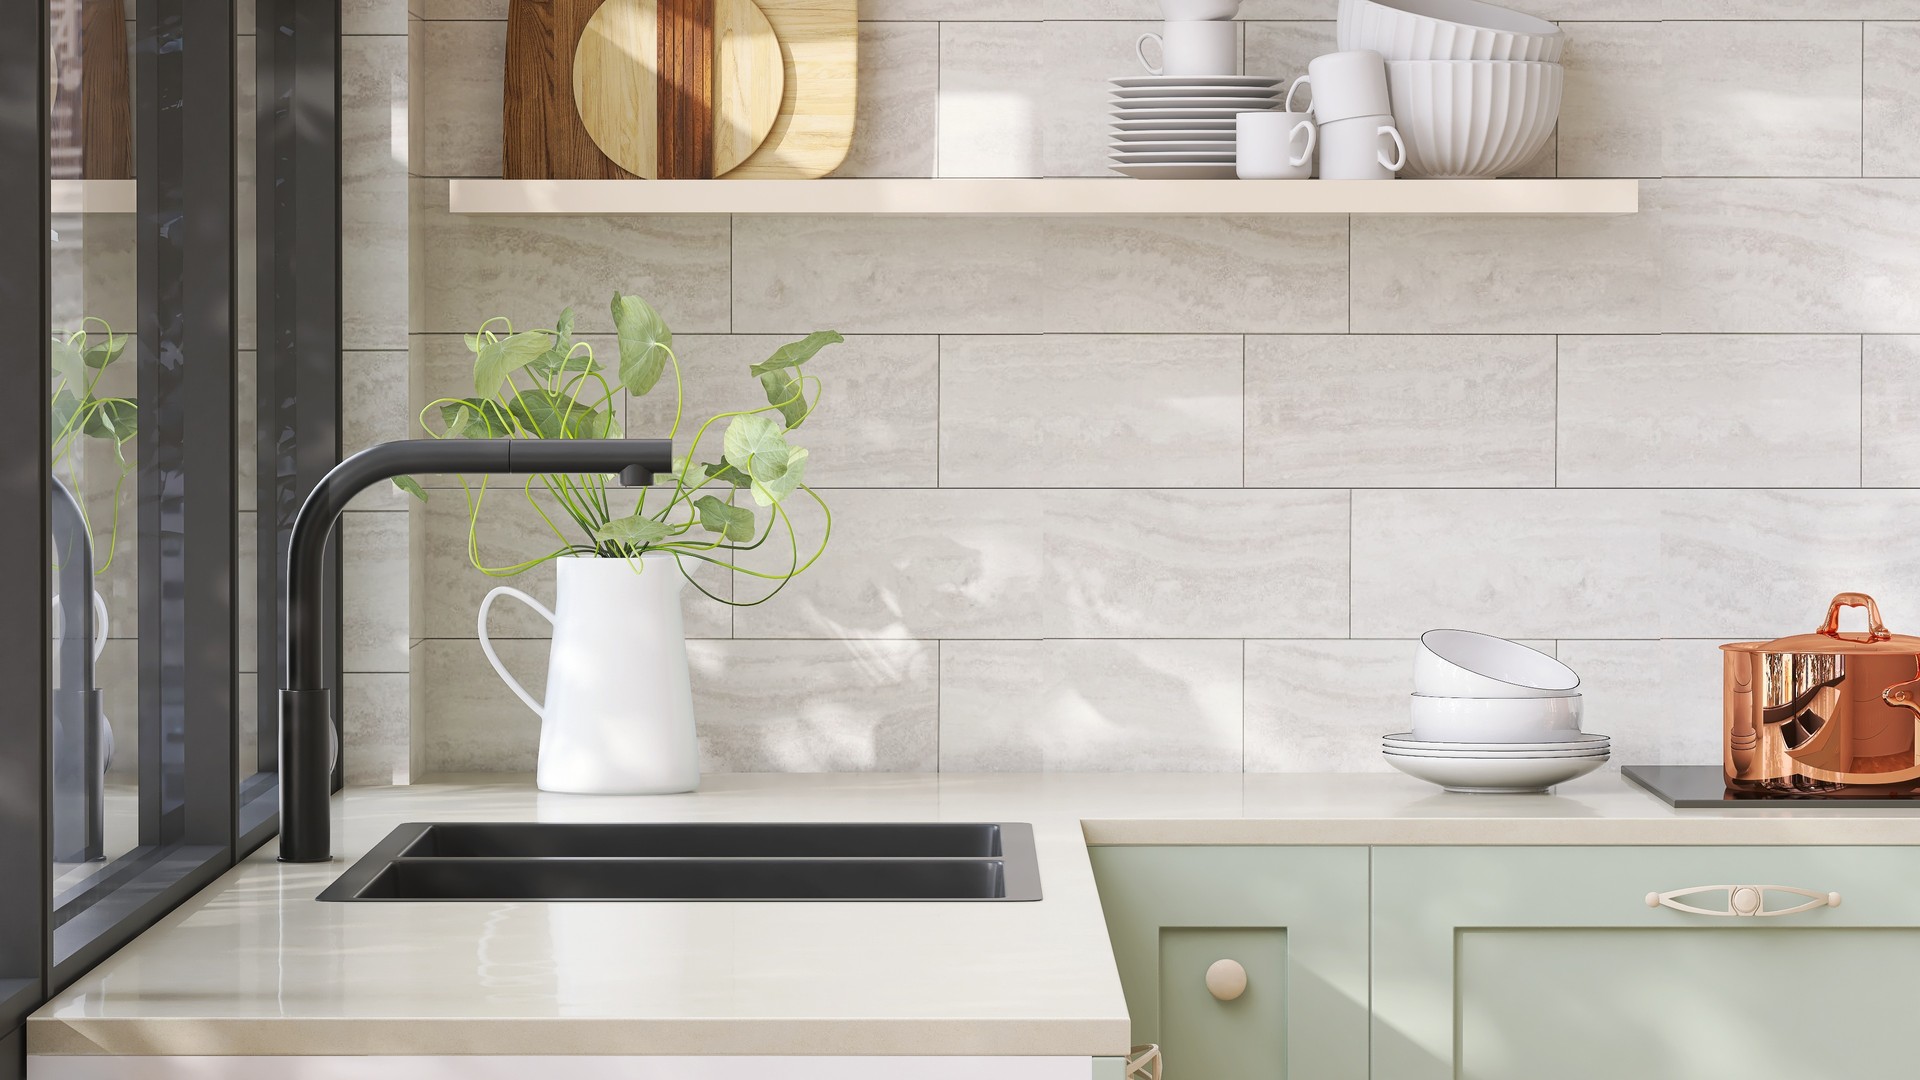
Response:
column 1226, row 980
column 1745, row 900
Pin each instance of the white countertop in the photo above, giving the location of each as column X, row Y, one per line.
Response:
column 255, row 965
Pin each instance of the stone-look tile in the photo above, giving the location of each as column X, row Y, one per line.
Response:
column 1197, row 274
column 1359, row 411
column 369, row 17
column 877, row 424
column 816, row 706
column 1891, row 120
column 884, row 275
column 246, row 601
column 1079, row 58
column 758, row 706
column 1699, row 410
column 246, row 423
column 1069, row 409
column 373, row 608
column 373, row 409
column 1543, row 564
column 509, row 533
column 1761, row 564
column 1659, row 701
column 904, row 564
column 895, row 116
column 1321, row 706
column 1890, row 391
column 117, row 673
column 378, row 729
column 1610, row 116
column 246, row 194
column 373, row 270
column 1544, row 164
column 1761, row 98
column 373, row 114
column 464, row 86
column 469, row 720
column 1280, row 50
column 529, row 268
column 1505, row 275
column 1090, row 706
column 1194, row 563
column 1790, row 256
column 992, row 90
column 94, row 271
column 246, row 758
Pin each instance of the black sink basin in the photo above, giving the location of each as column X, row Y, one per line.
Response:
column 743, row 861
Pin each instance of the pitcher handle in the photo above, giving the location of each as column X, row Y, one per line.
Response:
column 486, row 643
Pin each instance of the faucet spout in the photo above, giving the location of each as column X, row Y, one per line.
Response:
column 306, row 710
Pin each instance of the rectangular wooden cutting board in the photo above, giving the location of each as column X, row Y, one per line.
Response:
column 543, row 137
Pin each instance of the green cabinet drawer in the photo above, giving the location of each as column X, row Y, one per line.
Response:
column 1522, row 963
column 1295, row 919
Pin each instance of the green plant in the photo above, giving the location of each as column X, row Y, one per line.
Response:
column 80, row 411
column 545, row 384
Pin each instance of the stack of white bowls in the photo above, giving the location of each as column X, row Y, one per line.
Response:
column 1476, row 87
column 1492, row 715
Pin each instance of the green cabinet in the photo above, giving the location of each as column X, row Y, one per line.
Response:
column 1294, row 920
column 1523, row 963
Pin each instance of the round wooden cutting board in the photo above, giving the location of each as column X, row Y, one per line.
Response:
column 616, row 84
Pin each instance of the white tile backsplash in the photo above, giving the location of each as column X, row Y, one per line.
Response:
column 1140, row 493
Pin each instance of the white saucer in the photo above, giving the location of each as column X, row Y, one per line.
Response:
column 1405, row 741
column 1168, row 123
column 1239, row 104
column 1212, row 138
column 1196, row 80
column 1150, row 93
column 1182, row 171
column 1180, row 157
column 1214, row 113
column 1482, row 776
column 1496, row 755
column 1212, row 146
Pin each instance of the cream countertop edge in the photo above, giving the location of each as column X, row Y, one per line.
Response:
column 254, row 965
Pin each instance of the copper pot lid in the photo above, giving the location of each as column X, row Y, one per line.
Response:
column 1829, row 639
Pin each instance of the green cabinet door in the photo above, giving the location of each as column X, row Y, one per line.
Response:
column 1531, row 963
column 1293, row 919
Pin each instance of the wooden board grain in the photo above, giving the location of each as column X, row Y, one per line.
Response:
column 629, row 81
column 90, row 134
column 820, row 46
column 542, row 137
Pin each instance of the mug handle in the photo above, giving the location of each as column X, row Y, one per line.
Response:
column 486, row 643
column 1399, row 163
column 1313, row 138
column 1306, row 81
column 1140, row 50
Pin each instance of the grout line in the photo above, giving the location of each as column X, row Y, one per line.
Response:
column 1245, row 405
column 1863, row 410
column 939, row 693
column 1350, row 502
column 1556, row 410
column 1863, row 99
column 939, row 418
column 1243, row 704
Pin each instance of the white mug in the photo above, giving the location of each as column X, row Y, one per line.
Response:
column 1356, row 149
column 1264, row 145
column 1345, row 85
column 1177, row 10
column 1195, row 47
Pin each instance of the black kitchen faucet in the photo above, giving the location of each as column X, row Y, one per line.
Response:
column 306, row 703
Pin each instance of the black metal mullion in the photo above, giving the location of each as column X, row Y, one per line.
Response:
column 26, row 864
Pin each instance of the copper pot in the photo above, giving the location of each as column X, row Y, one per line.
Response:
column 1823, row 711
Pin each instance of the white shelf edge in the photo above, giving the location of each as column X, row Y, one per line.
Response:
column 94, row 196
column 1055, row 196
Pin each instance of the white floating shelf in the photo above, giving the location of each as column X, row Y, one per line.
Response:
column 94, row 197
column 1064, row 195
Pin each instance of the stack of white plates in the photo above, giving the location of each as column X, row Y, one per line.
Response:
column 1492, row 715
column 1181, row 127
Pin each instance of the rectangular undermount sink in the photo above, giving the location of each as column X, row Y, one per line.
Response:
column 722, row 861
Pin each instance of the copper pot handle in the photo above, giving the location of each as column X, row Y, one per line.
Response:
column 1876, row 630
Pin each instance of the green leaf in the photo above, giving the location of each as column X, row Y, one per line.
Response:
column 554, row 415
column 795, row 353
column 786, row 392
column 563, row 331
column 636, row 531
column 557, row 362
column 644, row 343
column 65, row 404
column 733, row 522
column 111, row 418
column 99, row 356
column 411, row 486
column 719, row 470
column 500, row 359
column 475, row 418
column 68, row 364
column 768, row 490
column 750, row 438
column 473, row 342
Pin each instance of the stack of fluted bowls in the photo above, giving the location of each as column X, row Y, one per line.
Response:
column 1492, row 715
column 1475, row 87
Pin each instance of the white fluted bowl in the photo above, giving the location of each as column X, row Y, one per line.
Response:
column 1447, row 30
column 1473, row 118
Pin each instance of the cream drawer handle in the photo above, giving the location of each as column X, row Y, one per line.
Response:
column 1743, row 901
column 1226, row 980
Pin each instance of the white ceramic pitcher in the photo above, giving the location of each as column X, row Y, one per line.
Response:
column 618, row 719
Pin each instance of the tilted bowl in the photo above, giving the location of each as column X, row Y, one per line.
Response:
column 1465, row 664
